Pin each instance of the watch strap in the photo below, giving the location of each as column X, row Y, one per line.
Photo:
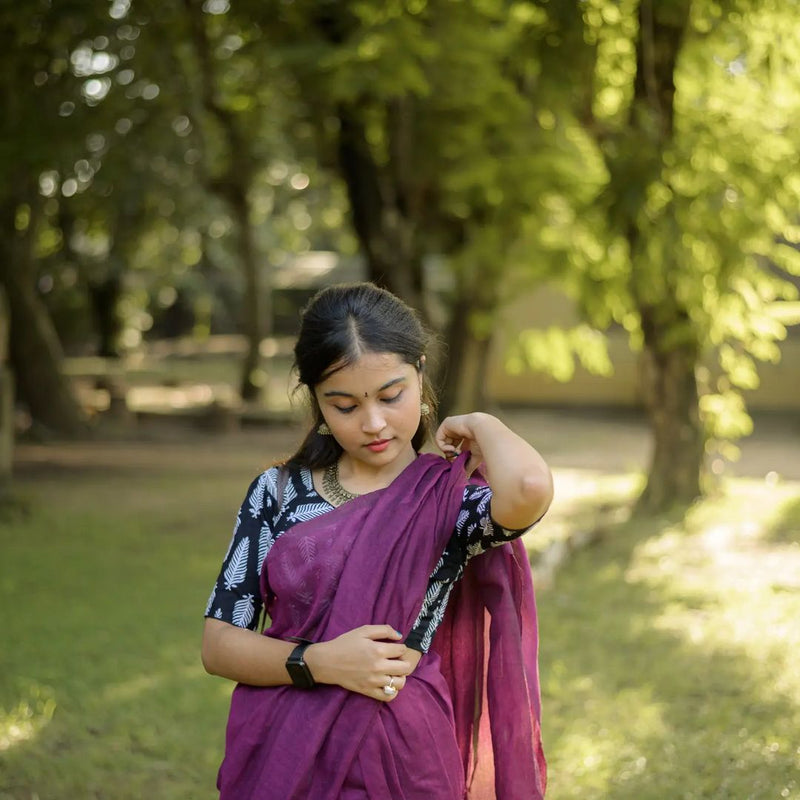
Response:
column 297, row 668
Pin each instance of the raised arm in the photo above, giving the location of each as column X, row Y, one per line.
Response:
column 521, row 482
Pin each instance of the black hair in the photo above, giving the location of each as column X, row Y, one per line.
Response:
column 340, row 324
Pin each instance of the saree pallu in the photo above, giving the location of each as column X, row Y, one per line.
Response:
column 368, row 562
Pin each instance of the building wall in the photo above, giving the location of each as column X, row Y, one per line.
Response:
column 779, row 389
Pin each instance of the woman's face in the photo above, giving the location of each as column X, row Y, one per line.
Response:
column 372, row 407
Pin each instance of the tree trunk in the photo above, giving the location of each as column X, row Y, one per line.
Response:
column 676, row 471
column 382, row 216
column 462, row 379
column 34, row 347
column 255, row 311
column 104, row 296
column 36, row 357
column 464, row 386
column 233, row 186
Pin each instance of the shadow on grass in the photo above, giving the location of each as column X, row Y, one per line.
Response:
column 646, row 698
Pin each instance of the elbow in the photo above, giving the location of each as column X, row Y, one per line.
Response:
column 537, row 493
column 527, row 504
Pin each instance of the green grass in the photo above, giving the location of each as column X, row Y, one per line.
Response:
column 669, row 650
column 103, row 589
column 669, row 656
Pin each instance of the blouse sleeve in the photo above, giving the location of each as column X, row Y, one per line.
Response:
column 236, row 596
column 475, row 533
column 475, row 528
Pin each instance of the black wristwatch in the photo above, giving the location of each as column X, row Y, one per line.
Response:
column 296, row 666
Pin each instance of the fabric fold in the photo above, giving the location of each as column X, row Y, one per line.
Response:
column 368, row 562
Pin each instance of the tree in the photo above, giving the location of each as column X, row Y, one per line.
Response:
column 39, row 95
column 428, row 113
column 693, row 107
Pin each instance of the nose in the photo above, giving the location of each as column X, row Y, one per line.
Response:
column 374, row 421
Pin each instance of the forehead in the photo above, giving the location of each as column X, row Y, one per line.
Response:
column 366, row 374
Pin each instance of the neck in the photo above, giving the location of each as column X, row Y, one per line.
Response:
column 362, row 478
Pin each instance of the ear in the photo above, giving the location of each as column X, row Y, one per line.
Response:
column 421, row 364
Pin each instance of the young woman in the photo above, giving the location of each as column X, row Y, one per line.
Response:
column 400, row 658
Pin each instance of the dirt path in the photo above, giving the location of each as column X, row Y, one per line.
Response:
column 616, row 442
column 610, row 443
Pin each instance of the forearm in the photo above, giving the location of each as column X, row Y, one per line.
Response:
column 355, row 660
column 244, row 656
column 522, row 485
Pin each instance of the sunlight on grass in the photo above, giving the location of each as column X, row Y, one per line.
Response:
column 604, row 746
column 584, row 499
column 574, row 486
column 23, row 722
column 670, row 656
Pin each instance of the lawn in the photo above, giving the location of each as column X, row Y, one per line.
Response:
column 669, row 656
column 669, row 649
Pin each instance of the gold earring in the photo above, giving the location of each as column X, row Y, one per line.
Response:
column 424, row 409
column 324, row 429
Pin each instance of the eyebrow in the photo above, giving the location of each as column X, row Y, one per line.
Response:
column 335, row 393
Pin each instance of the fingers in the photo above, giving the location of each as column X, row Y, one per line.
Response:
column 390, row 650
column 452, row 437
column 380, row 632
column 373, row 661
column 389, row 688
column 395, row 667
column 449, row 445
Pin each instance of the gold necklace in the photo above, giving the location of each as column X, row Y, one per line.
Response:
column 334, row 490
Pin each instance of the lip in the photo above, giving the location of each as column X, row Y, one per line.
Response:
column 379, row 446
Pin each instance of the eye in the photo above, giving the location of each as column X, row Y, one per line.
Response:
column 394, row 398
column 345, row 410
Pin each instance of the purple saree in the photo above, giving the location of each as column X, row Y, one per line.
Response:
column 368, row 562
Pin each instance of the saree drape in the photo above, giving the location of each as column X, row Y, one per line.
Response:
column 368, row 562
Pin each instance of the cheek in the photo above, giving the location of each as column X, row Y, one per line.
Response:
column 411, row 414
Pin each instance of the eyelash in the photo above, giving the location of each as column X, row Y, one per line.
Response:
column 350, row 409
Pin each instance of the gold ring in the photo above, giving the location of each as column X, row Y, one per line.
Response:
column 389, row 689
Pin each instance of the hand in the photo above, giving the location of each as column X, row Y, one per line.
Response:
column 360, row 662
column 458, row 433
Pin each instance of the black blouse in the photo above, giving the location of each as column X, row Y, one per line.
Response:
column 236, row 597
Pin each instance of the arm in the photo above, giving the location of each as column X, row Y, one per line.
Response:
column 521, row 482
column 232, row 648
column 357, row 660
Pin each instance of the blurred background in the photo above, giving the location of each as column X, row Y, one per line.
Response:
column 595, row 207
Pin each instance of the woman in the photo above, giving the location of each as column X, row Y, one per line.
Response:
column 362, row 687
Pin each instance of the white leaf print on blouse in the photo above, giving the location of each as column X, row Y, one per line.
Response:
column 272, row 486
column 307, row 511
column 257, row 496
column 289, row 494
column 265, row 541
column 243, row 611
column 485, row 493
column 237, row 566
